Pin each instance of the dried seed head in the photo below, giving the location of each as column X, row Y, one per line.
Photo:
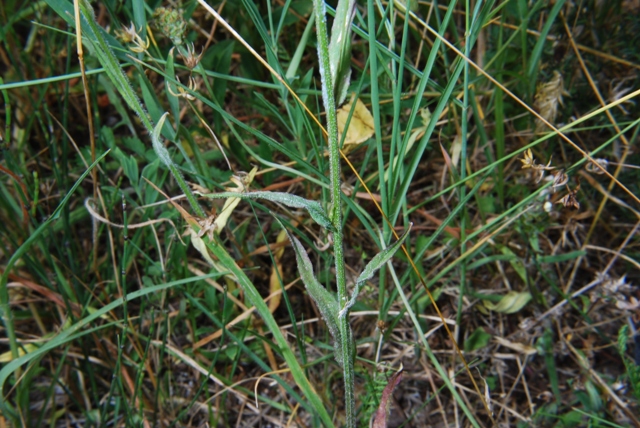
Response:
column 528, row 161
column 127, row 34
column 560, row 179
column 130, row 35
column 182, row 93
column 595, row 169
column 140, row 45
column 191, row 60
column 570, row 200
column 618, row 91
column 548, row 98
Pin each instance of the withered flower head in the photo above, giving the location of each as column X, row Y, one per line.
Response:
column 130, row 35
column 560, row 179
column 529, row 162
column 127, row 34
column 548, row 98
column 191, row 60
column 182, row 92
column 570, row 199
column 597, row 167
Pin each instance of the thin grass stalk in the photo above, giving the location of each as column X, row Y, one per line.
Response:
column 6, row 314
column 256, row 300
column 115, row 73
column 335, row 211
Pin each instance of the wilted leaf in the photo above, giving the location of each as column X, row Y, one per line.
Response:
column 276, row 273
column 361, row 126
column 511, row 303
column 380, row 420
column 5, row 357
column 198, row 244
column 231, row 203
column 515, row 346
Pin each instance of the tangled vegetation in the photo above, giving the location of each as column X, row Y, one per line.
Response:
column 292, row 213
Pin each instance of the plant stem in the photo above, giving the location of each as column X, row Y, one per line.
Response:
column 121, row 81
column 336, row 213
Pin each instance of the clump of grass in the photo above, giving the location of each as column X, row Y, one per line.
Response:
column 120, row 307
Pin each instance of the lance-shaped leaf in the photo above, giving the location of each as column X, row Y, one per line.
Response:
column 372, row 267
column 340, row 48
column 156, row 141
column 326, row 302
column 292, row 201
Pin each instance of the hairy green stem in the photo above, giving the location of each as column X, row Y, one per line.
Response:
column 328, row 98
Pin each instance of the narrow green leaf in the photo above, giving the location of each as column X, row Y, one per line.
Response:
column 156, row 140
column 372, row 267
column 6, row 314
column 163, row 154
column 129, row 166
column 340, row 48
column 94, row 37
column 292, row 201
column 559, row 258
column 82, row 327
column 171, row 88
column 402, row 5
column 139, row 17
column 326, row 302
column 292, row 70
column 536, row 53
column 515, row 262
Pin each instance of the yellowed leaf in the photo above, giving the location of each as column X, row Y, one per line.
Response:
column 510, row 303
column 276, row 273
column 199, row 245
column 361, row 126
column 7, row 357
column 231, row 203
column 515, row 346
column 456, row 150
